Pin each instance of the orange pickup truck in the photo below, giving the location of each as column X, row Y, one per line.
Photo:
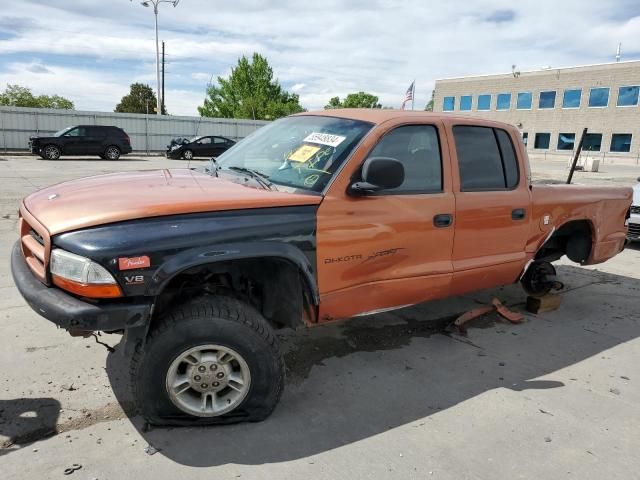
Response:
column 315, row 217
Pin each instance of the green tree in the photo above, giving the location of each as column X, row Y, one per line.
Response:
column 429, row 106
column 354, row 100
column 140, row 99
column 250, row 92
column 17, row 96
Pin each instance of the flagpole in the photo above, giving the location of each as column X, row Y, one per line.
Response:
column 413, row 96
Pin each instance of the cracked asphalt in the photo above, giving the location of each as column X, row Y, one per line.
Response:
column 396, row 395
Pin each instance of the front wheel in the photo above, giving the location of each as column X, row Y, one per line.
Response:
column 187, row 154
column 212, row 361
column 51, row 152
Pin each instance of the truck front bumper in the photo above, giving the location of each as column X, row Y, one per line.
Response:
column 70, row 312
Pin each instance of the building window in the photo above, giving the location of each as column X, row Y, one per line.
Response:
column 524, row 101
column 484, row 102
column 448, row 104
column 504, row 101
column 592, row 142
column 620, row 142
column 486, row 159
column 628, row 96
column 525, row 138
column 465, row 102
column 566, row 141
column 572, row 98
column 542, row 141
column 547, row 99
column 599, row 97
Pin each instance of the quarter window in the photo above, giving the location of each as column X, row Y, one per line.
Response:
column 620, row 142
column 486, row 158
column 542, row 141
column 524, row 101
column 592, row 142
column 465, row 102
column 417, row 147
column 628, row 96
column 448, row 104
column 547, row 99
column 572, row 98
column 599, row 97
column 504, row 101
column 484, row 102
column 566, row 141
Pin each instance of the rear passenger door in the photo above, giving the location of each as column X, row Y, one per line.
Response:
column 219, row 146
column 492, row 207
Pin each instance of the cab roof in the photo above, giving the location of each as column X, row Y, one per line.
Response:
column 380, row 115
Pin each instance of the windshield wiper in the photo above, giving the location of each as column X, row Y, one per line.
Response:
column 261, row 178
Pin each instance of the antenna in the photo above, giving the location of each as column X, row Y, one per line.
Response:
column 618, row 51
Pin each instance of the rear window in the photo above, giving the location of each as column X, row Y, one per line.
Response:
column 486, row 158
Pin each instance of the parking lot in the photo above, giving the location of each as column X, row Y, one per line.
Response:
column 392, row 395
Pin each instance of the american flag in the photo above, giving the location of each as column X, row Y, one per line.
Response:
column 409, row 95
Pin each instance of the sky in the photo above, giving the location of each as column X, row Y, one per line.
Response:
column 90, row 51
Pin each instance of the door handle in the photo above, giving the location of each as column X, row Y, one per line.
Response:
column 518, row 214
column 443, row 220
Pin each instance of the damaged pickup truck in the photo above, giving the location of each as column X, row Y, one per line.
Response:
column 313, row 218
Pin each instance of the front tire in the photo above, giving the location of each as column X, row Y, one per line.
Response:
column 187, row 155
column 214, row 360
column 51, row 152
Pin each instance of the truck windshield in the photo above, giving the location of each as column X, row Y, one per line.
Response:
column 301, row 152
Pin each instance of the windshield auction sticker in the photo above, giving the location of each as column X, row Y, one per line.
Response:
column 303, row 153
column 325, row 139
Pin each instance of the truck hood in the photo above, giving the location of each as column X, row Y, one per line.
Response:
column 118, row 197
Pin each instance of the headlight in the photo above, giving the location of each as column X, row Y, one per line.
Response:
column 175, row 147
column 82, row 276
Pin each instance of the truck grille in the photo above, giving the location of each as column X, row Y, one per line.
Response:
column 35, row 243
column 635, row 209
column 634, row 230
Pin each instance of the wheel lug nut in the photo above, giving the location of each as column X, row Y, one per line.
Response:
column 216, row 384
column 201, row 368
column 220, row 375
column 197, row 378
column 204, row 385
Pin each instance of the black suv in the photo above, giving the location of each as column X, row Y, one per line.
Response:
column 105, row 141
column 199, row 147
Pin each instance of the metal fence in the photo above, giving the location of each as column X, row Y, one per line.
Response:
column 148, row 132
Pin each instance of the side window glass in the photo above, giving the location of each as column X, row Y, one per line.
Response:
column 205, row 141
column 509, row 158
column 76, row 132
column 486, row 158
column 418, row 148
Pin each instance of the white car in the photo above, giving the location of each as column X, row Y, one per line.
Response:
column 634, row 220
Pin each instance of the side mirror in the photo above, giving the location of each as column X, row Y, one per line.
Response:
column 379, row 173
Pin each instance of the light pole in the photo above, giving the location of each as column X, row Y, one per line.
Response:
column 156, row 4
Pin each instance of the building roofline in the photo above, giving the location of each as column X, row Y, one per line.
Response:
column 540, row 70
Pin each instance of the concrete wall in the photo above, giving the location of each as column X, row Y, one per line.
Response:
column 607, row 120
column 147, row 132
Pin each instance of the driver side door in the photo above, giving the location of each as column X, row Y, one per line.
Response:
column 75, row 141
column 388, row 249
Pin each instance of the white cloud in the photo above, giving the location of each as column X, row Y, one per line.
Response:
column 91, row 51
